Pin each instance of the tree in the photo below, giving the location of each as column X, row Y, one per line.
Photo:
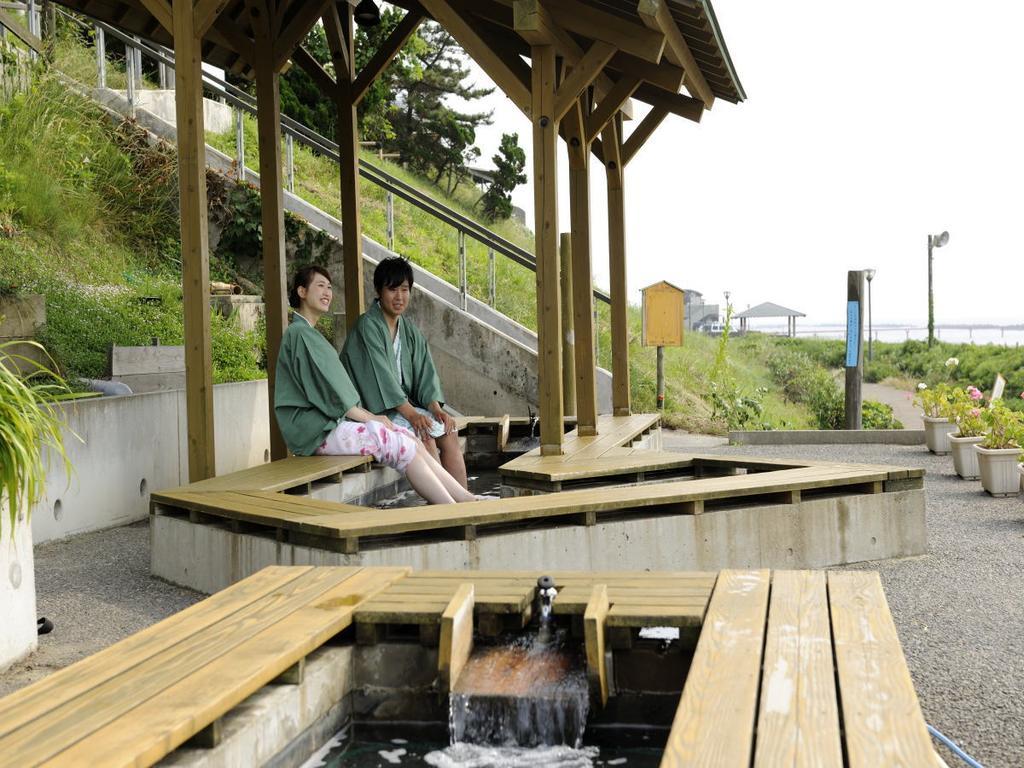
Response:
column 434, row 138
column 509, row 165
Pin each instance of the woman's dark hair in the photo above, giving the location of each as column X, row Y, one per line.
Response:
column 392, row 272
column 302, row 279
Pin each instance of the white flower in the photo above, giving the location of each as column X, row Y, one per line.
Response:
column 922, row 385
column 953, row 362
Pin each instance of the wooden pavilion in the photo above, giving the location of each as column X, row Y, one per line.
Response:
column 571, row 66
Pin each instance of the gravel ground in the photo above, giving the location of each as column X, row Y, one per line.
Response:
column 959, row 610
column 96, row 589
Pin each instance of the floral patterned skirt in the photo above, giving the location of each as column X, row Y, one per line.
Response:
column 393, row 447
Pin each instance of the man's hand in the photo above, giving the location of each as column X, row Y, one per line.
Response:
column 419, row 422
column 443, row 417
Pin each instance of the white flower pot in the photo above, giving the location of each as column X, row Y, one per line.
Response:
column 1021, row 468
column 936, row 434
column 965, row 458
column 998, row 469
column 18, row 635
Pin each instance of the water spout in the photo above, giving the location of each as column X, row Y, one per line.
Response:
column 546, row 592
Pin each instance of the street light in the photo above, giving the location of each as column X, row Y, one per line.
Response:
column 934, row 241
column 870, row 275
column 367, row 14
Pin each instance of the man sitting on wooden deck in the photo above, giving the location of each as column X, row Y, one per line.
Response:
column 390, row 363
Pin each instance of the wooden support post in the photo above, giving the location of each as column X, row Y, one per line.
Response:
column 854, row 348
column 456, row 643
column 268, row 119
column 545, row 185
column 582, row 280
column 195, row 247
column 612, row 143
column 293, row 675
column 340, row 35
column 661, row 378
column 568, row 340
column 593, row 639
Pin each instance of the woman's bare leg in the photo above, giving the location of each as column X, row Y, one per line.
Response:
column 454, row 488
column 426, row 482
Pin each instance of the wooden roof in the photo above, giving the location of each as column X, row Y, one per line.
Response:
column 768, row 309
column 230, row 41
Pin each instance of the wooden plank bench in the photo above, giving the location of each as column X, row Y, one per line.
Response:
column 136, row 701
column 780, row 656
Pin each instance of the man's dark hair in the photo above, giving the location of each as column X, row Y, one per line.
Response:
column 392, row 272
column 302, row 279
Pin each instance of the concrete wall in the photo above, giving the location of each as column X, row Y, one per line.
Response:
column 132, row 445
column 498, row 353
column 217, row 116
column 17, row 591
column 811, row 534
column 828, row 437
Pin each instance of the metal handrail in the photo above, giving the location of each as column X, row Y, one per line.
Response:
column 305, row 135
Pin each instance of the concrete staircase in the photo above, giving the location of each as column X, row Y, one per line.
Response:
column 486, row 360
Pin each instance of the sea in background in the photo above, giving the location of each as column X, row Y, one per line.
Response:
column 1009, row 336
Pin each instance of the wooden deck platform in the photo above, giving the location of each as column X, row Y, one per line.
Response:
column 785, row 667
column 607, row 456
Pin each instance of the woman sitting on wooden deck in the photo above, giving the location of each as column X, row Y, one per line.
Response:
column 318, row 409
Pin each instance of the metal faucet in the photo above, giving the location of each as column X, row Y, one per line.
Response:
column 546, row 591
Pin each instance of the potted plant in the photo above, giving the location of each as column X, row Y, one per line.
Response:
column 29, row 423
column 966, row 410
column 1000, row 451
column 934, row 402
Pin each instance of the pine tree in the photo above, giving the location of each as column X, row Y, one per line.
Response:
column 509, row 165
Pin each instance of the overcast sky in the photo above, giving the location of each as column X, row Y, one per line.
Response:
column 866, row 127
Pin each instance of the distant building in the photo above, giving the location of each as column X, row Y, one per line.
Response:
column 770, row 310
column 697, row 312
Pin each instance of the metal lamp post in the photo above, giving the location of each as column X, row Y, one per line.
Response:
column 870, row 275
column 934, row 241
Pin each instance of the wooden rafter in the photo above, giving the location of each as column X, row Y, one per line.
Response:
column 260, row 21
column 664, row 75
column 161, row 11
column 205, row 13
column 312, row 67
column 676, row 103
column 656, row 16
column 303, row 19
column 508, row 79
column 337, row 43
column 386, row 53
column 610, row 105
column 584, row 72
column 228, row 33
column 642, row 132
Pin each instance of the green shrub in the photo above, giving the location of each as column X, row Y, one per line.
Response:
column 876, row 415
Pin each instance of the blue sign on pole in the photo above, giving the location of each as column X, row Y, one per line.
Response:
column 852, row 333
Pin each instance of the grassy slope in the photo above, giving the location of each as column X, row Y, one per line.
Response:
column 92, row 276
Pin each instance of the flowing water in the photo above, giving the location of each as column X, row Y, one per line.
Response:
column 487, row 482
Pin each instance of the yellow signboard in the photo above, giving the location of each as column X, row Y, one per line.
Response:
column 663, row 315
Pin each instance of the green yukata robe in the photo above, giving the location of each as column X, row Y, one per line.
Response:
column 312, row 391
column 369, row 357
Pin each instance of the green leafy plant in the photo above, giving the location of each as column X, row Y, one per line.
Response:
column 876, row 415
column 1005, row 427
column 966, row 410
column 737, row 409
column 934, row 401
column 29, row 423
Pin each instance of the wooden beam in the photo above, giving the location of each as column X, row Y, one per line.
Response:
column 386, row 53
column 656, row 16
column 533, row 23
column 228, row 33
column 161, row 11
column 617, row 268
column 676, row 103
column 610, row 105
column 582, row 278
column 642, row 132
column 268, row 118
column 298, row 27
column 195, row 247
column 495, row 65
column 586, row 20
column 456, row 643
column 594, row 618
column 341, row 39
column 664, row 75
column 584, row 72
column 545, row 197
column 319, row 75
column 205, row 13
column 568, row 338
